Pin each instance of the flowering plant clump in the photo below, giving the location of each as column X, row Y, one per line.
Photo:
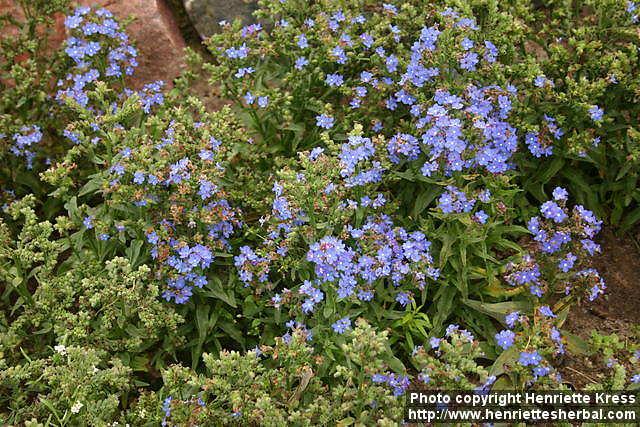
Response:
column 401, row 195
column 562, row 248
column 94, row 38
column 180, row 189
column 450, row 362
column 428, row 82
column 533, row 343
column 275, row 385
column 164, row 171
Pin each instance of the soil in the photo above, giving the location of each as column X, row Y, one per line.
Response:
column 617, row 312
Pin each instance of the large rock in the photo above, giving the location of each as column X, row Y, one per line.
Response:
column 207, row 14
column 155, row 33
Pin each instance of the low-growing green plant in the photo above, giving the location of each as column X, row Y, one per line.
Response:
column 278, row 385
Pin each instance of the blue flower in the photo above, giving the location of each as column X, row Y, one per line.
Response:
column 403, row 298
column 536, row 147
column 541, row 371
column 554, row 212
column 302, row 41
column 138, row 177
column 567, row 263
column 301, row 62
column 334, row 80
column 481, row 216
column 207, row 189
column 469, row 61
column 541, row 81
column 324, row 121
column 560, row 193
column 546, row 311
column 512, row 318
column 530, row 358
column 596, row 113
column 315, row 153
column 342, row 325
column 88, row 222
column 505, row 339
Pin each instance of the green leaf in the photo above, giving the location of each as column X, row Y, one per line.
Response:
column 72, row 207
column 577, row 345
column 133, row 252
column 506, row 359
column 549, row 172
column 630, row 219
column 498, row 310
column 93, row 185
column 232, row 330
column 424, row 199
column 216, row 290
column 202, row 320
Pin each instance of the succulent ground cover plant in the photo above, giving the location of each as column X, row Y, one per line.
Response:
column 400, row 194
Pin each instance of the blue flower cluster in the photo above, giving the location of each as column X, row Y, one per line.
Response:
column 632, row 10
column 531, row 357
column 183, row 185
column 541, row 144
column 380, row 251
column 23, row 143
column 398, row 383
column 342, row 325
column 455, row 201
column 299, row 328
column 467, row 131
column 186, row 262
column 94, row 36
column 251, row 266
column 565, row 241
column 357, row 163
column 454, row 130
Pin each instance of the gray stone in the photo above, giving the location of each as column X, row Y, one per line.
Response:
column 206, row 14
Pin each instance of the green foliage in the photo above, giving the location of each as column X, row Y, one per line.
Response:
column 277, row 385
column 72, row 386
column 30, row 63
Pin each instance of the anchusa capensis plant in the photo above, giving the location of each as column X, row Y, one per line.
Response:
column 385, row 169
column 450, row 362
column 559, row 261
column 277, row 384
column 529, row 346
column 99, row 50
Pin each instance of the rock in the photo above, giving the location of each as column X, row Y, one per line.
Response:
column 156, row 35
column 206, row 14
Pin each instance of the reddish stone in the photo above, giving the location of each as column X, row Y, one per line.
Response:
column 156, row 35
